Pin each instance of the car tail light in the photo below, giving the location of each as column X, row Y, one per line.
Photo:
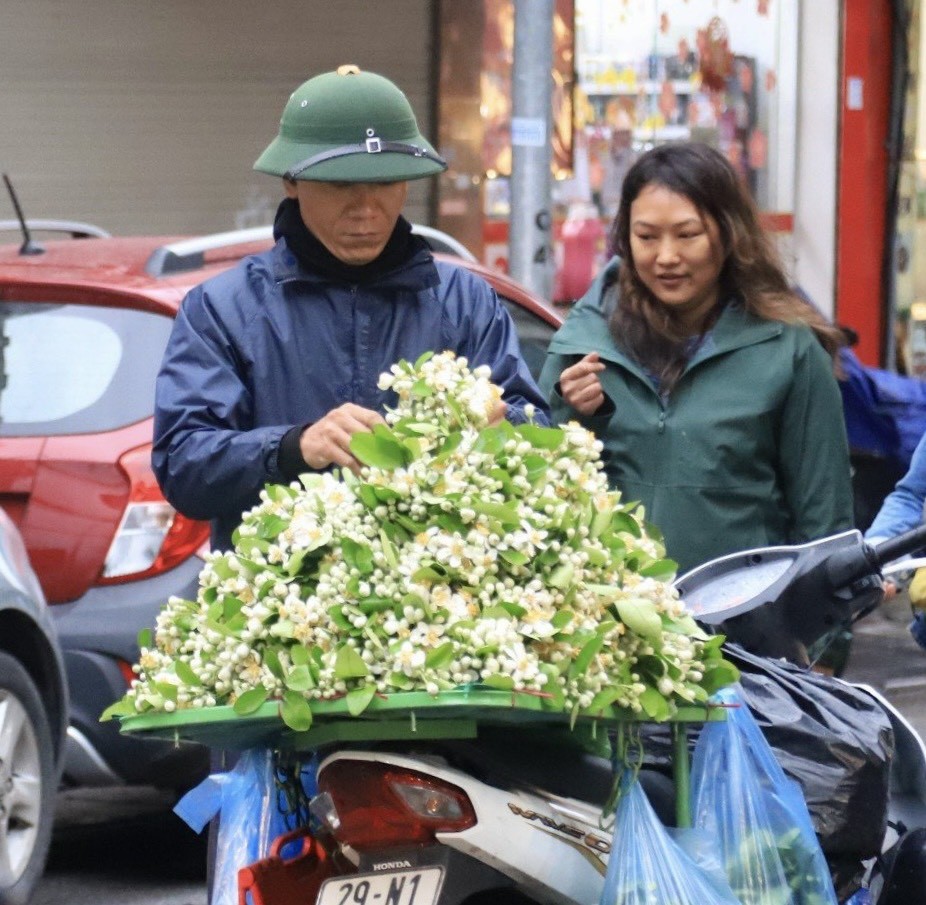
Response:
column 152, row 536
column 377, row 805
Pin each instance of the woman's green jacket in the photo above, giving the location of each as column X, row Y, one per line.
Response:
column 748, row 450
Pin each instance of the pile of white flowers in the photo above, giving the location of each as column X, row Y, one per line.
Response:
column 463, row 554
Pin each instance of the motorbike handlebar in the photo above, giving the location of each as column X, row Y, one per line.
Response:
column 902, row 545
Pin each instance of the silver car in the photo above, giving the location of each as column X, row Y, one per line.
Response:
column 33, row 721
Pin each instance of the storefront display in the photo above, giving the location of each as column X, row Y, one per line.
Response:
column 707, row 70
column 646, row 72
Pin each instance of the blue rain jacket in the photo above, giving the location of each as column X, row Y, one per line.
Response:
column 267, row 346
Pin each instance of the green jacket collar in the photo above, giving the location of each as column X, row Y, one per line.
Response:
column 586, row 328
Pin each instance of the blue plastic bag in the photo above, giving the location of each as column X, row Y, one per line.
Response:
column 252, row 813
column 648, row 867
column 755, row 814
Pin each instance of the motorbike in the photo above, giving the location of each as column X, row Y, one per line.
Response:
column 510, row 818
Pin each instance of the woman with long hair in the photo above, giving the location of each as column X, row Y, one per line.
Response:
column 709, row 380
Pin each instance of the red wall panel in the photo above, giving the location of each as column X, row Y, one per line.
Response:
column 863, row 162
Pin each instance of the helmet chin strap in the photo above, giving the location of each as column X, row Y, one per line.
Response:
column 372, row 145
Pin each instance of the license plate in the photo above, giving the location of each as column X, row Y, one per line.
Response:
column 389, row 887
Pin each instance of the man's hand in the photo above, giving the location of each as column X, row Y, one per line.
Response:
column 498, row 414
column 581, row 387
column 327, row 441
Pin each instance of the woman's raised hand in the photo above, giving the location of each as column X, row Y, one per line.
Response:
column 580, row 385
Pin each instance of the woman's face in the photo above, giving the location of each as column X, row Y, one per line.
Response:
column 676, row 252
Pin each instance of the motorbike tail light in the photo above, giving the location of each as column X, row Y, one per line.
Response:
column 152, row 536
column 378, row 805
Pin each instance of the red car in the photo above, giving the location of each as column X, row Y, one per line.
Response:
column 83, row 325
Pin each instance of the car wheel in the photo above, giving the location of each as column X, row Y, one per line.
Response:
column 27, row 784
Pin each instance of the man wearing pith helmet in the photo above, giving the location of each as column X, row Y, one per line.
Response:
column 273, row 365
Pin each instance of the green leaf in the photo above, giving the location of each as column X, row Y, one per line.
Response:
column 719, row 676
column 653, row 667
column 375, row 605
column 146, row 638
column 422, row 388
column 388, row 550
column 379, row 451
column 683, row 625
column 357, row 556
column 605, row 698
column 506, row 514
column 349, row 664
column 410, row 525
column 295, row 711
column 541, row 437
column 536, row 467
column 123, row 707
column 495, row 612
column 271, row 526
column 441, row 655
column 367, row 495
column 515, row 557
column 585, row 656
column 430, row 574
column 299, row 655
column 663, row 569
column 640, row 616
column 283, row 628
column 358, row 699
column 272, row 661
column 504, row 480
column 451, row 523
column 451, row 442
column 491, row 441
column 336, row 615
column 250, row 701
column 600, row 521
column 562, row 576
column 185, row 673
column 620, row 521
column 557, row 699
column 166, row 690
column 422, row 359
column 655, row 705
column 505, row 683
column 400, row 680
column 299, row 679
column 406, row 427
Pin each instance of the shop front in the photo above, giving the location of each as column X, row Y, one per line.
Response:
column 627, row 75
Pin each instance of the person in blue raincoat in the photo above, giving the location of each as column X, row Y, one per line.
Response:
column 272, row 366
column 901, row 511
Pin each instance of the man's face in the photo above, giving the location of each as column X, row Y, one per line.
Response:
column 353, row 220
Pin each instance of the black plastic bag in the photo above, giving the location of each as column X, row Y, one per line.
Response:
column 835, row 741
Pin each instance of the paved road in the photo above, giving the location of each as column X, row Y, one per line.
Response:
column 885, row 656
column 125, row 847
column 122, row 847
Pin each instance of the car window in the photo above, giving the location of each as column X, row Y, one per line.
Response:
column 534, row 334
column 72, row 369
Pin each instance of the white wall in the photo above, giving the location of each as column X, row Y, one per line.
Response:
column 817, row 166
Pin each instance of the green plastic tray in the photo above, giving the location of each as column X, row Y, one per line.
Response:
column 404, row 715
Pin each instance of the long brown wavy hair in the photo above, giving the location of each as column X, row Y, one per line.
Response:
column 648, row 330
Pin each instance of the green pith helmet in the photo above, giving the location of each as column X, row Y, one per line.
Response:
column 349, row 126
